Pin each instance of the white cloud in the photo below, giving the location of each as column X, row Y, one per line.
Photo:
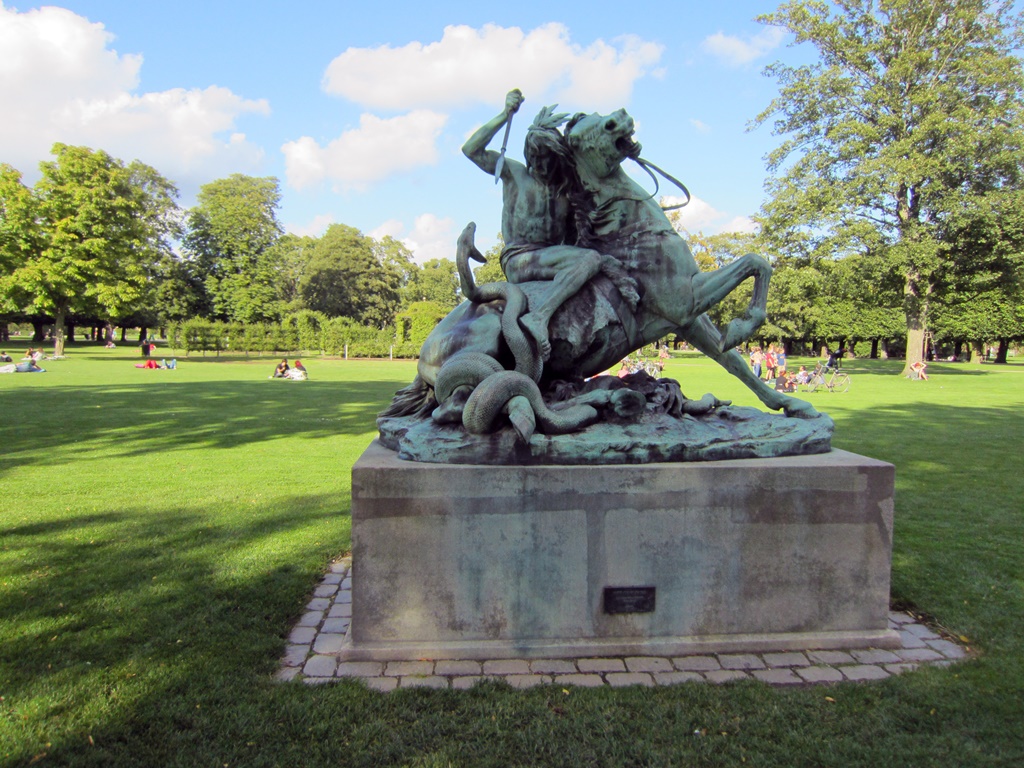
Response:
column 739, row 224
column 700, row 126
column 314, row 228
column 378, row 148
column 431, row 237
column 61, row 81
column 736, row 51
column 701, row 216
column 470, row 65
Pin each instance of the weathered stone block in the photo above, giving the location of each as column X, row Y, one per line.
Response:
column 492, row 562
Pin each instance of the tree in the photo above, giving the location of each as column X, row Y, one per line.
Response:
column 227, row 234
column 20, row 235
column 345, row 277
column 436, row 281
column 910, row 108
column 289, row 258
column 97, row 228
column 980, row 293
column 180, row 294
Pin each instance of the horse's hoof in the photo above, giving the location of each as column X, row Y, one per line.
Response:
column 800, row 409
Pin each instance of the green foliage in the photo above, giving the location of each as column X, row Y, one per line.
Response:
column 310, row 328
column 304, row 331
column 228, row 234
column 198, row 335
column 179, row 293
column 288, row 259
column 87, row 238
column 348, row 275
column 361, row 341
column 909, row 109
column 980, row 296
column 418, row 320
column 436, row 281
column 21, row 238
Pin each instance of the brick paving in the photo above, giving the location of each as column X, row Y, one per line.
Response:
column 313, row 644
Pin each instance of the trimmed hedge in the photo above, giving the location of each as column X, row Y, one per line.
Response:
column 302, row 332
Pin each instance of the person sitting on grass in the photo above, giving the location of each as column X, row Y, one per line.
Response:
column 300, row 369
column 281, row 371
column 783, row 383
column 803, row 375
column 5, row 358
column 918, row 370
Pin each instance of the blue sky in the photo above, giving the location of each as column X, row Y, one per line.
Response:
column 361, row 109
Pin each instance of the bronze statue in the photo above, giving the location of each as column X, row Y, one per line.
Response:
column 595, row 272
column 537, row 220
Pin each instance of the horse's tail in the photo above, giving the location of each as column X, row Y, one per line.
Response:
column 464, row 251
column 417, row 399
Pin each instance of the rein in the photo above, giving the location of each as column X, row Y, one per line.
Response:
column 651, row 168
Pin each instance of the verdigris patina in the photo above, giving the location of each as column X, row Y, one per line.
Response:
column 595, row 271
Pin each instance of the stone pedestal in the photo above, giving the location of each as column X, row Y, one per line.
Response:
column 469, row 561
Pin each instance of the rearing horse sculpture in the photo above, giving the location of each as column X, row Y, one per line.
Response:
column 596, row 328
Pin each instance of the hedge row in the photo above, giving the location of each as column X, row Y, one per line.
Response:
column 302, row 332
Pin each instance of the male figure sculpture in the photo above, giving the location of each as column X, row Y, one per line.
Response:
column 537, row 220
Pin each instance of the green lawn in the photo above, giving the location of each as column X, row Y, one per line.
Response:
column 161, row 531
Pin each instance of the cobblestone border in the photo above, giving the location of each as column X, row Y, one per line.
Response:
column 314, row 643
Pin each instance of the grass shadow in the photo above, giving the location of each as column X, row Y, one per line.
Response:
column 133, row 419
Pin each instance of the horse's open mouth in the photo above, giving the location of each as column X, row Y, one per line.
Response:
column 628, row 146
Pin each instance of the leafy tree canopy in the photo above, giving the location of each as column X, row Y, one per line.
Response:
column 909, row 108
column 87, row 238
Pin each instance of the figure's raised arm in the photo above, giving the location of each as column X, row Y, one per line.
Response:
column 475, row 147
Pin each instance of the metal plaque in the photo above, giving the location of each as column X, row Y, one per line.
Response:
column 628, row 599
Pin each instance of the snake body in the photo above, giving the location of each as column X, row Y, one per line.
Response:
column 528, row 361
column 488, row 400
column 463, row 369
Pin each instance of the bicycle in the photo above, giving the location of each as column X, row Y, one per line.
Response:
column 836, row 381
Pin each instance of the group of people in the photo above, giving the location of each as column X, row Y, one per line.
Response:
column 630, row 365
column 770, row 364
column 296, row 372
column 30, row 364
column 153, row 364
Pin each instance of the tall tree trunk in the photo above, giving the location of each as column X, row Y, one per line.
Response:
column 38, row 335
column 977, row 351
column 1004, row 347
column 915, row 307
column 124, row 334
column 874, row 349
column 5, row 332
column 58, row 331
column 71, row 331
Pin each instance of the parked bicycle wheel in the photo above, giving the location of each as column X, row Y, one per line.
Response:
column 840, row 383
